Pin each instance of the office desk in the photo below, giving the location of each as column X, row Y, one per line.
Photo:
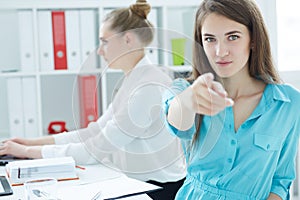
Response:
column 92, row 179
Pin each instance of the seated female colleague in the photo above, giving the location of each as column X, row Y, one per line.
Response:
column 131, row 134
column 239, row 124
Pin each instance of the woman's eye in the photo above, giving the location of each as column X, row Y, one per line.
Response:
column 233, row 37
column 103, row 42
column 209, row 39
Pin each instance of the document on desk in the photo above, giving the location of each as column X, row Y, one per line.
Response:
column 96, row 173
column 60, row 168
column 110, row 189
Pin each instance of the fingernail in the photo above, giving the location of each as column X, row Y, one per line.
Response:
column 223, row 91
column 231, row 102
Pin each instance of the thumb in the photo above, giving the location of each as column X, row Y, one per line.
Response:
column 207, row 79
column 217, row 87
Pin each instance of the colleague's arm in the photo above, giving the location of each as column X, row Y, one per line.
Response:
column 132, row 116
column 34, row 141
column 20, row 150
column 25, row 148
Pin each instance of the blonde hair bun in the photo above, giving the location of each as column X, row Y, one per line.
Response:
column 141, row 8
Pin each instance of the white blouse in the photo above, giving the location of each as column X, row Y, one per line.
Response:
column 131, row 134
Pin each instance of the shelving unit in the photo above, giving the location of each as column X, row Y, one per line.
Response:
column 57, row 94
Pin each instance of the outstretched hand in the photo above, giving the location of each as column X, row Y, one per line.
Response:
column 205, row 96
column 208, row 96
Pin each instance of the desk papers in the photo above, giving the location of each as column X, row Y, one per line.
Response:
column 59, row 168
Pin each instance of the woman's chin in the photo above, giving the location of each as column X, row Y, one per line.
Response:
column 112, row 66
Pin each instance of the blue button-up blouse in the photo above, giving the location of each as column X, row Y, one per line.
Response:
column 249, row 163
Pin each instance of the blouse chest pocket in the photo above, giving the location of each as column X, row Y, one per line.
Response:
column 267, row 142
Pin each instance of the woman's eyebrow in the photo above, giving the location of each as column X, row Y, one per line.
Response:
column 228, row 33
column 232, row 32
column 208, row 34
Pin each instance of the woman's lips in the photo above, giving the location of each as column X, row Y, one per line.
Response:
column 223, row 63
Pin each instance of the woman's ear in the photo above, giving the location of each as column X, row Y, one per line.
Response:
column 128, row 38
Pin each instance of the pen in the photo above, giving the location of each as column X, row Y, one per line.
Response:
column 79, row 167
column 98, row 195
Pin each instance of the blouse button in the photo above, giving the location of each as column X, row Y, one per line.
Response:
column 229, row 160
column 233, row 142
column 268, row 146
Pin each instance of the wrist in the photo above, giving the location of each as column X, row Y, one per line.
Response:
column 33, row 151
column 185, row 100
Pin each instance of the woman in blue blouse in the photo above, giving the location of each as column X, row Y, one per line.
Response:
column 238, row 124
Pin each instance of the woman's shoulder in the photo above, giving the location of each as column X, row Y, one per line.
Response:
column 289, row 91
column 288, row 94
column 152, row 73
column 181, row 82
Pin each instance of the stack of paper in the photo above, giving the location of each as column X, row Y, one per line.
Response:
column 60, row 168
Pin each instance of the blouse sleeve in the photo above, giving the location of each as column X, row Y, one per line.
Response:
column 71, row 144
column 66, row 137
column 285, row 172
column 73, row 136
column 76, row 150
column 178, row 86
column 137, row 117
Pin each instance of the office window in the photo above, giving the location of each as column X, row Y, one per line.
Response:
column 288, row 26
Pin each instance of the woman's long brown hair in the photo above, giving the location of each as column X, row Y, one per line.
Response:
column 247, row 13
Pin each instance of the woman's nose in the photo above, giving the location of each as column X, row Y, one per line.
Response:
column 100, row 50
column 222, row 50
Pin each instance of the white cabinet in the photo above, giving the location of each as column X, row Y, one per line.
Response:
column 33, row 92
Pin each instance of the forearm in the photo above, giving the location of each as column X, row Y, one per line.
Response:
column 179, row 115
column 33, row 152
column 46, row 140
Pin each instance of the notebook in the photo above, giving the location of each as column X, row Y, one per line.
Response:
column 62, row 168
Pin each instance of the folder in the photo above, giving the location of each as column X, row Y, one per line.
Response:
column 73, row 39
column 26, row 39
column 102, row 61
column 88, row 97
column 88, row 38
column 30, row 110
column 152, row 49
column 44, row 25
column 59, row 40
column 15, row 106
column 119, row 188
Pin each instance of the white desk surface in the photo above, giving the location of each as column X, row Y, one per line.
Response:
column 93, row 179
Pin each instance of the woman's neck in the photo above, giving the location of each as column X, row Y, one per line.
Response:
column 242, row 86
column 132, row 60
